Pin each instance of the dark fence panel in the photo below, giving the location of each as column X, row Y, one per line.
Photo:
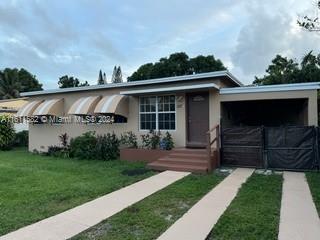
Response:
column 242, row 146
column 295, row 148
column 291, row 147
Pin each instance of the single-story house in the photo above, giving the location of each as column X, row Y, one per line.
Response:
column 186, row 106
column 11, row 107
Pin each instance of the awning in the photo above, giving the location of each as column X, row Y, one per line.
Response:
column 114, row 104
column 84, row 106
column 52, row 107
column 27, row 109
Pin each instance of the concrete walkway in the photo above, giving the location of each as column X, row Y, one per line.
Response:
column 299, row 219
column 197, row 223
column 76, row 220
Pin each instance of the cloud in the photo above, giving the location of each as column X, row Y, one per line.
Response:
column 266, row 34
column 79, row 37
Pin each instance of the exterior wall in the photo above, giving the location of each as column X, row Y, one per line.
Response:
column 43, row 135
column 311, row 95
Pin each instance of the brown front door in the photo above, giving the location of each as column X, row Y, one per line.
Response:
column 197, row 119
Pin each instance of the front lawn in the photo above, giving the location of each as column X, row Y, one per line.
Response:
column 254, row 213
column 314, row 185
column 33, row 187
column 153, row 215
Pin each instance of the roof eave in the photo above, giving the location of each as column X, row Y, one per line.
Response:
column 191, row 77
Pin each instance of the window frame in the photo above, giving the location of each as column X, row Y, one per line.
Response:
column 157, row 113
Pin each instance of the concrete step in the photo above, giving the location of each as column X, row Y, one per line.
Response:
column 157, row 165
column 189, row 150
column 191, row 155
column 184, row 161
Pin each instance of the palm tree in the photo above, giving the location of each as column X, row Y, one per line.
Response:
column 9, row 84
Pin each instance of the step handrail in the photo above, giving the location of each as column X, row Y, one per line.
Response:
column 210, row 142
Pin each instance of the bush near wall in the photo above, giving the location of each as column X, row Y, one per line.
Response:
column 22, row 139
column 7, row 133
column 89, row 146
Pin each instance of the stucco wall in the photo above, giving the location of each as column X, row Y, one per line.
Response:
column 43, row 135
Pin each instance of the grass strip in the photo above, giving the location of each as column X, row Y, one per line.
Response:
column 314, row 185
column 150, row 217
column 34, row 187
column 254, row 213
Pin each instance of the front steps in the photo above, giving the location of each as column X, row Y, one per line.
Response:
column 183, row 159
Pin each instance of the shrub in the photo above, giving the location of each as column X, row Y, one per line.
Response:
column 22, row 139
column 64, row 140
column 83, row 146
column 166, row 142
column 7, row 133
column 129, row 139
column 107, row 147
column 151, row 140
column 54, row 151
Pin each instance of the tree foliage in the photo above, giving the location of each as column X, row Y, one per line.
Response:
column 68, row 82
column 283, row 70
column 102, row 78
column 177, row 64
column 7, row 133
column 117, row 75
column 311, row 23
column 14, row 81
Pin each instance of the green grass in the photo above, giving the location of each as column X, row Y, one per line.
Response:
column 153, row 215
column 33, row 187
column 314, row 185
column 254, row 213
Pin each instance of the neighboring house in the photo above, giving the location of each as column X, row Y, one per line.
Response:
column 186, row 106
column 11, row 107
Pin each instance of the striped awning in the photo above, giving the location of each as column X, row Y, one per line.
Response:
column 53, row 107
column 84, row 106
column 28, row 109
column 114, row 104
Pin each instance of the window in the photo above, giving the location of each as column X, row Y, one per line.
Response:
column 158, row 113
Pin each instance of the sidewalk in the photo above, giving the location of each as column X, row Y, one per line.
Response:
column 299, row 219
column 197, row 223
column 78, row 219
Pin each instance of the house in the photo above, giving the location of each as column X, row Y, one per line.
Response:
column 11, row 107
column 186, row 106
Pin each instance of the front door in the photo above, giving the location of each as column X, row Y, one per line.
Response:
column 197, row 119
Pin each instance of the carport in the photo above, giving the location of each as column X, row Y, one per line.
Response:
column 270, row 126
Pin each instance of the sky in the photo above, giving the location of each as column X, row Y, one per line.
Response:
column 80, row 37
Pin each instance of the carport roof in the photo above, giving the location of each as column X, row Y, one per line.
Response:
column 272, row 88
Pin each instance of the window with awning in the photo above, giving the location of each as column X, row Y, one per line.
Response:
column 113, row 104
column 52, row 107
column 84, row 106
column 28, row 109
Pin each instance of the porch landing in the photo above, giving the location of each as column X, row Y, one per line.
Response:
column 183, row 159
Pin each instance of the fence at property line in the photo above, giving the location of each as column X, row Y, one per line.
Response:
column 289, row 147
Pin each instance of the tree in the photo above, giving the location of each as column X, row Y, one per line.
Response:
column 311, row 23
column 14, row 81
column 68, row 82
column 28, row 81
column 9, row 84
column 117, row 75
column 284, row 70
column 101, row 78
column 176, row 65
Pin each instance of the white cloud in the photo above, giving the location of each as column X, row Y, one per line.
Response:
column 79, row 37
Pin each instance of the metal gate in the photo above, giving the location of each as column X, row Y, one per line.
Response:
column 291, row 147
column 242, row 146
